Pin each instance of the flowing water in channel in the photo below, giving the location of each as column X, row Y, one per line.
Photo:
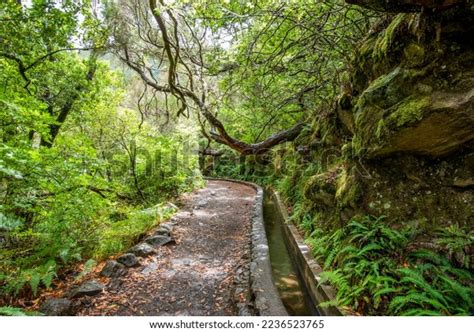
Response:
column 285, row 274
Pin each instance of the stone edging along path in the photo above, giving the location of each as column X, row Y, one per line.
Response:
column 204, row 270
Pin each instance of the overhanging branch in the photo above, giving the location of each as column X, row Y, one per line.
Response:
column 172, row 52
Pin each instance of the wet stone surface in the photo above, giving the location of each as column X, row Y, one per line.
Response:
column 113, row 269
column 89, row 288
column 56, row 307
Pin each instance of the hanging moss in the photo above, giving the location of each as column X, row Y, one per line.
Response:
column 385, row 40
column 348, row 190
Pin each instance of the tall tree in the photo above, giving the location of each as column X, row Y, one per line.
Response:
column 41, row 40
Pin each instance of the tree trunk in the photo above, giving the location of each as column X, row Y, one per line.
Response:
column 66, row 109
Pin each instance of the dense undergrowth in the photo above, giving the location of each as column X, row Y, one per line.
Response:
column 85, row 197
column 375, row 271
column 66, row 204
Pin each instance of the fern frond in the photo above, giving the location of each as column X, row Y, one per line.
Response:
column 11, row 311
column 416, row 278
column 420, row 312
column 417, row 299
column 367, row 248
column 465, row 293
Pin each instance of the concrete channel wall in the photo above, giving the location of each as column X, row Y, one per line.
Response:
column 308, row 267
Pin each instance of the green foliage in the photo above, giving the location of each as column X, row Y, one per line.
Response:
column 286, row 59
column 84, row 172
column 11, row 311
column 376, row 267
column 456, row 242
column 78, row 162
column 117, row 236
column 33, row 277
column 373, row 272
column 88, row 267
column 409, row 111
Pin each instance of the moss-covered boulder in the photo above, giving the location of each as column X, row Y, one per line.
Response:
column 433, row 125
column 348, row 189
column 321, row 189
column 419, row 107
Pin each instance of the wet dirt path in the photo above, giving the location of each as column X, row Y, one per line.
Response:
column 196, row 275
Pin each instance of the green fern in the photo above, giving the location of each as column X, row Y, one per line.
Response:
column 401, row 302
column 11, row 311
column 456, row 289
column 330, row 258
column 456, row 240
column 88, row 267
column 367, row 248
column 414, row 277
column 368, row 264
column 421, row 312
column 430, row 256
column 34, row 282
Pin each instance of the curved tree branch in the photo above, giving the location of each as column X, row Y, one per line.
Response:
column 172, row 52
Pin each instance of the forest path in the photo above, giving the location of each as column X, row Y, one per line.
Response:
column 195, row 275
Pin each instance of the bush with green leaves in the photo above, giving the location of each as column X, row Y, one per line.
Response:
column 120, row 235
column 374, row 271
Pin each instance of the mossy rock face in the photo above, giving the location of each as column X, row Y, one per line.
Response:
column 441, row 125
column 413, row 55
column 376, row 103
column 412, row 85
column 419, row 190
column 433, row 125
column 398, row 141
column 348, row 190
column 408, row 110
column 388, row 90
column 321, row 189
